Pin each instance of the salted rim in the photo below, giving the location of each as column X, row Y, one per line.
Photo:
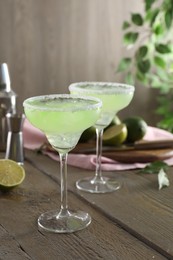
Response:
column 66, row 96
column 119, row 87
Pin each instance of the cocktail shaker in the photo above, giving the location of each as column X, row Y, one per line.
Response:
column 7, row 103
column 14, row 149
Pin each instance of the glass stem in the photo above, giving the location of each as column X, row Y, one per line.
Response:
column 98, row 174
column 63, row 174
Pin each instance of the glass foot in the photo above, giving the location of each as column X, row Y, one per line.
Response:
column 92, row 185
column 69, row 222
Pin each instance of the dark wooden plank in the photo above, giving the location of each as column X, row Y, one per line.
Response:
column 103, row 239
column 9, row 247
column 139, row 207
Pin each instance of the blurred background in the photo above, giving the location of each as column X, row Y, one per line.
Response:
column 49, row 44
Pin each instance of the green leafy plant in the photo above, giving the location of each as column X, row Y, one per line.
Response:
column 148, row 38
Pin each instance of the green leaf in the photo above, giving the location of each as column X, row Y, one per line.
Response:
column 162, row 74
column 137, row 19
column 148, row 4
column 168, row 18
column 142, row 52
column 151, row 16
column 155, row 167
column 155, row 81
column 159, row 62
column 163, row 180
column 125, row 25
column 158, row 30
column 164, row 109
column 167, row 4
column 171, row 66
column 144, row 66
column 124, row 64
column 166, row 123
column 154, row 15
column 142, row 78
column 129, row 78
column 130, row 38
column 162, row 48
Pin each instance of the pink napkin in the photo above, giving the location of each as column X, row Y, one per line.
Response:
column 34, row 138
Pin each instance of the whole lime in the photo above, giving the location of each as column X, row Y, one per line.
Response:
column 136, row 128
column 115, row 135
column 87, row 135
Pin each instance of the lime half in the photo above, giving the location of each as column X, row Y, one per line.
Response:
column 11, row 174
column 115, row 135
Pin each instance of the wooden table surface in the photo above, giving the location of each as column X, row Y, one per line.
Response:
column 135, row 222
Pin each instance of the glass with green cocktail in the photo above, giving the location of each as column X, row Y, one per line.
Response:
column 63, row 118
column 114, row 96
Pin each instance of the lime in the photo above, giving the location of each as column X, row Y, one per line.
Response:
column 115, row 135
column 87, row 135
column 115, row 121
column 11, row 174
column 136, row 128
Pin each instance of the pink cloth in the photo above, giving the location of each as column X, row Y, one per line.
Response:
column 34, row 138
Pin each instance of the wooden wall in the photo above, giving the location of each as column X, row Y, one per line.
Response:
column 49, row 44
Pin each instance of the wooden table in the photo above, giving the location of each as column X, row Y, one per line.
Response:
column 135, row 222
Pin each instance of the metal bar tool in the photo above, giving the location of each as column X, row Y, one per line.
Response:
column 14, row 148
column 7, row 103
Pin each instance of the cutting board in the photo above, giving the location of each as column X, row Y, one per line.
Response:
column 127, row 154
column 124, row 154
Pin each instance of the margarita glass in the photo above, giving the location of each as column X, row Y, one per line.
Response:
column 61, row 118
column 114, row 96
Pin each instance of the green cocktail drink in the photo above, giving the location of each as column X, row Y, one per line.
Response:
column 114, row 96
column 63, row 118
